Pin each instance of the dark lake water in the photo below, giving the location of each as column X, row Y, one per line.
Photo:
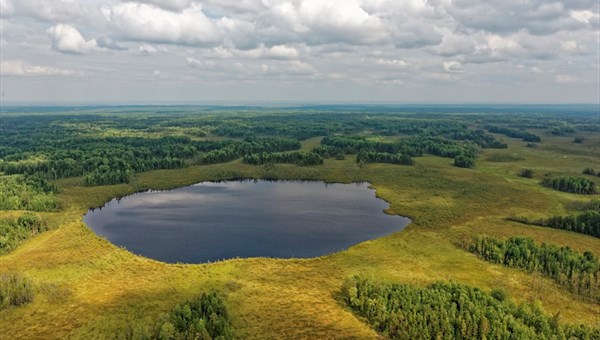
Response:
column 211, row 221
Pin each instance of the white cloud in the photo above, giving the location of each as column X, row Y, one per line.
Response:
column 173, row 5
column 196, row 63
column 67, row 39
column 145, row 22
column 348, row 44
column 20, row 68
column 147, row 49
column 453, row 66
column 584, row 16
column 54, row 10
column 6, row 8
column 274, row 52
column 565, row 79
column 396, row 63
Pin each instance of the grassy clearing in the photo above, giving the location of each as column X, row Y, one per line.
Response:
column 88, row 288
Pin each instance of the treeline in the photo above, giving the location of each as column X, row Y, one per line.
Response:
column 104, row 161
column 297, row 158
column 15, row 290
column 452, row 311
column 398, row 152
column 593, row 204
column 413, row 147
column 587, row 223
column 350, row 145
column 577, row 272
column 247, row 147
column 524, row 135
column 591, row 172
column 204, row 317
column 27, row 193
column 383, row 157
column 15, row 231
column 576, row 185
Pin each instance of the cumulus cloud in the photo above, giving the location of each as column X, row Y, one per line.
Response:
column 565, row 79
column 67, row 39
column 173, row 5
column 147, row 49
column 6, row 8
column 453, row 66
column 144, row 22
column 202, row 64
column 273, row 52
column 50, row 10
column 351, row 42
column 21, row 68
column 536, row 16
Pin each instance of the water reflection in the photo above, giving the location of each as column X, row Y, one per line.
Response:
column 211, row 221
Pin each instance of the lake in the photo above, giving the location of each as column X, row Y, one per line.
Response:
column 211, row 221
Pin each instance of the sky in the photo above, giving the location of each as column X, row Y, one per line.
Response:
column 335, row 51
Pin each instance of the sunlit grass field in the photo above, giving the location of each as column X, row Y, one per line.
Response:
column 88, row 288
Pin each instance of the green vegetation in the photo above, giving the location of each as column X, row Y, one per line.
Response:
column 524, row 135
column 383, row 157
column 57, row 165
column 591, row 171
column 15, row 290
column 452, row 311
column 13, row 232
column 298, row 158
column 578, row 272
column 526, row 173
column 27, row 193
column 585, row 205
column 464, row 161
column 576, row 185
column 587, row 223
column 203, row 318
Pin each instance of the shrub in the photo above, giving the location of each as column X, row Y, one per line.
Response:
column 463, row 161
column 576, row 185
column 15, row 290
column 527, row 173
column 203, row 318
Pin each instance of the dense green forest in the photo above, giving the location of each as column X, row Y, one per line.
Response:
column 18, row 192
column 203, row 318
column 587, row 223
column 576, row 185
column 578, row 272
column 298, row 158
column 108, row 150
column 452, row 311
column 13, row 232
column 524, row 135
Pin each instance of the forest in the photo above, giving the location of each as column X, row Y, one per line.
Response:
column 14, row 231
column 456, row 172
column 576, row 185
column 587, row 223
column 49, row 148
column 578, row 272
column 452, row 311
column 205, row 317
